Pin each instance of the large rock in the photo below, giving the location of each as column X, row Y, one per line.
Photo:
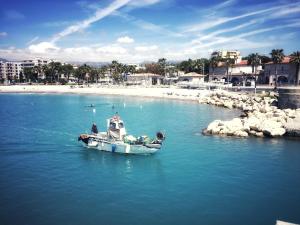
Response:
column 253, row 122
column 240, row 133
column 228, row 104
column 272, row 128
column 292, row 127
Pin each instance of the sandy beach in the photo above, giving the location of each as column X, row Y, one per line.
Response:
column 138, row 91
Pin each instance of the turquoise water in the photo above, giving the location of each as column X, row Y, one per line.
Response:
column 47, row 177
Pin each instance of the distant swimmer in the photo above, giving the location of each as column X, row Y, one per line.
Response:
column 91, row 106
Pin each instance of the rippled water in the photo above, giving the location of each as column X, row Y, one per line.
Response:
column 47, row 177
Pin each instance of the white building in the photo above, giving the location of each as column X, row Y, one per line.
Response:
column 191, row 80
column 144, row 79
column 237, row 73
column 223, row 54
column 35, row 62
column 10, row 71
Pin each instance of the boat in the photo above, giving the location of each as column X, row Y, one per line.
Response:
column 115, row 139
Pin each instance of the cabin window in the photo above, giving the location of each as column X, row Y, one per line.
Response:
column 121, row 125
column 112, row 125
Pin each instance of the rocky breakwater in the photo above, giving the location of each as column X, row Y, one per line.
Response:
column 260, row 117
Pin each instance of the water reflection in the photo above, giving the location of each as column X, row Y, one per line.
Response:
column 129, row 164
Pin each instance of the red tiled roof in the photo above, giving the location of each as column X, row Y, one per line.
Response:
column 242, row 63
column 285, row 60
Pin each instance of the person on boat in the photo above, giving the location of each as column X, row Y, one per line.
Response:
column 116, row 116
column 94, row 129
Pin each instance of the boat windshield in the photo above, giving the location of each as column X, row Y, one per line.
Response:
column 121, row 125
column 112, row 125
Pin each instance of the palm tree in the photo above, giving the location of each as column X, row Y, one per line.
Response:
column 94, row 75
column 67, row 70
column 54, row 70
column 229, row 62
column 214, row 62
column 116, row 70
column 254, row 61
column 295, row 58
column 198, row 66
column 102, row 71
column 82, row 72
column 277, row 56
column 38, row 70
column 28, row 74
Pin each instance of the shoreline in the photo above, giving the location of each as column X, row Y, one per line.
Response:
column 170, row 93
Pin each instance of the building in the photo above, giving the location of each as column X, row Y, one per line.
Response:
column 238, row 73
column 234, row 54
column 35, row 62
column 10, row 71
column 144, row 79
column 191, row 78
column 286, row 73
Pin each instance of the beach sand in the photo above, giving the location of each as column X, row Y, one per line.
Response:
column 154, row 92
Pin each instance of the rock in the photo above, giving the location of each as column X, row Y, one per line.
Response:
column 240, row 133
column 253, row 123
column 234, row 125
column 272, row 128
column 213, row 126
column 260, row 118
column 228, row 104
column 274, row 132
column 292, row 127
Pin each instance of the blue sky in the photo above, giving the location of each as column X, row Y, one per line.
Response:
column 141, row 30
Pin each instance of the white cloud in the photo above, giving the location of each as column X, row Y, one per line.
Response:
column 222, row 31
column 98, row 15
column 43, row 47
column 145, row 25
column 3, row 34
column 32, row 40
column 146, row 48
column 125, row 40
column 112, row 49
column 221, row 20
column 223, row 4
column 139, row 3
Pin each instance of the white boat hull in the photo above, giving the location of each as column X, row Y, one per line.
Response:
column 120, row 147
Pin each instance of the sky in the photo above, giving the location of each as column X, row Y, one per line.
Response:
column 133, row 31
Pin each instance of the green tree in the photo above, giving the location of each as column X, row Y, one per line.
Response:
column 295, row 58
column 53, row 71
column 254, row 61
column 38, row 70
column 162, row 63
column 29, row 74
column 67, row 70
column 95, row 74
column 152, row 68
column 103, row 71
column 277, row 57
column 84, row 72
column 116, row 71
column 214, row 62
column 229, row 62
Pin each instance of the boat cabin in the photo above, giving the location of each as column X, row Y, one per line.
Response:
column 116, row 129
